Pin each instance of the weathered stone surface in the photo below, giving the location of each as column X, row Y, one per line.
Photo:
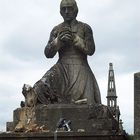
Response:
column 96, row 119
column 60, row 136
column 137, row 105
column 71, row 78
column 9, row 126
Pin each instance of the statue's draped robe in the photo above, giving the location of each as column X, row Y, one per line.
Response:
column 71, row 78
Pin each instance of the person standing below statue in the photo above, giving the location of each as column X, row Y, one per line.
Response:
column 71, row 78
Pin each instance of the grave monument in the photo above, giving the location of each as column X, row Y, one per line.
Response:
column 66, row 101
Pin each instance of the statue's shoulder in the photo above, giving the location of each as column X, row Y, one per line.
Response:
column 85, row 25
column 57, row 27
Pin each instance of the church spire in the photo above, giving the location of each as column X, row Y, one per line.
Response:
column 111, row 92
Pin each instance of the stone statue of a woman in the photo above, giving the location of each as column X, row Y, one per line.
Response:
column 71, row 78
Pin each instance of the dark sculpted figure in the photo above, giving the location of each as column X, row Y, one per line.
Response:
column 71, row 78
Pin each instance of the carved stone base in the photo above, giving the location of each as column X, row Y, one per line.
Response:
column 96, row 119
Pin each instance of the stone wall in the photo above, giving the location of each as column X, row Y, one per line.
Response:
column 137, row 105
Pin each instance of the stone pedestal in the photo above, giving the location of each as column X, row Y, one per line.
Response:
column 87, row 123
column 96, row 119
column 82, row 117
column 137, row 105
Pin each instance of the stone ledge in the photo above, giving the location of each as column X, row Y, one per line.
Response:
column 60, row 136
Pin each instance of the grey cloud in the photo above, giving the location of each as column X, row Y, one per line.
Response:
column 23, row 47
column 116, row 37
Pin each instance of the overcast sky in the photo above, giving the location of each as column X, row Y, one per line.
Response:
column 25, row 26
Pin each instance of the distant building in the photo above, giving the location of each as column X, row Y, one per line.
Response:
column 111, row 94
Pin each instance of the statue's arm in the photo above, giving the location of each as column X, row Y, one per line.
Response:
column 86, row 44
column 53, row 46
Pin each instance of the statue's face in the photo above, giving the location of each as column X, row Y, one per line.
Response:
column 68, row 10
column 67, row 13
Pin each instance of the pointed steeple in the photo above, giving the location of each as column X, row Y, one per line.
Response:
column 111, row 95
column 111, row 92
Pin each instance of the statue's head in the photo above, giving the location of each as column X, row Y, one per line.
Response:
column 68, row 9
